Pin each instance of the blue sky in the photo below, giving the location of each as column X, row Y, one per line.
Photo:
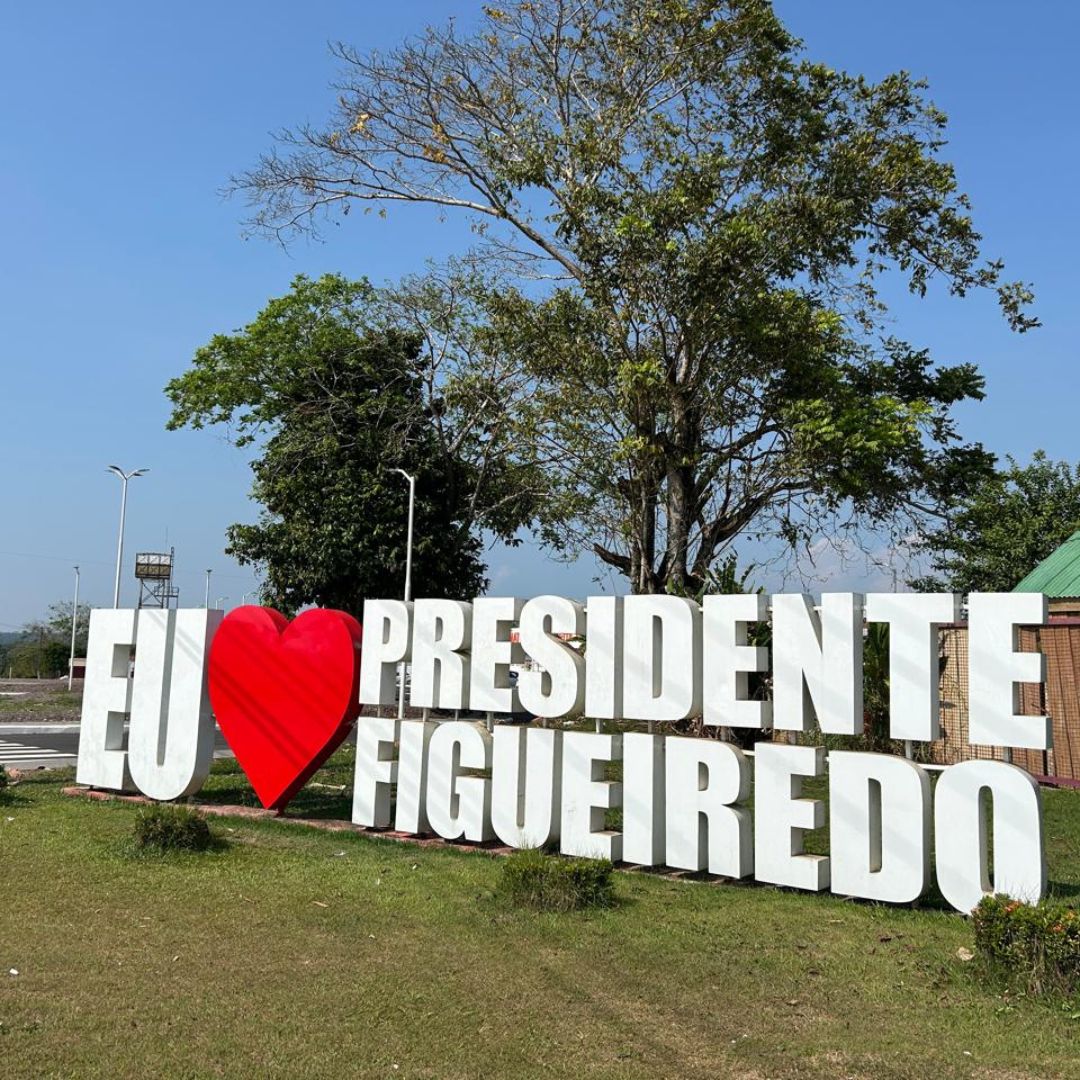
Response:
column 119, row 256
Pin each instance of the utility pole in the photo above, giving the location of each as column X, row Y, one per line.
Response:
column 74, row 628
column 408, row 575
column 408, row 541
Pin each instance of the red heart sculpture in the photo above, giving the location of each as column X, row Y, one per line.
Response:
column 285, row 694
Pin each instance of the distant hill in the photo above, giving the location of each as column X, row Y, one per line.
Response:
column 9, row 637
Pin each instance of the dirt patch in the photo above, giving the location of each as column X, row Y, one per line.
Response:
column 39, row 701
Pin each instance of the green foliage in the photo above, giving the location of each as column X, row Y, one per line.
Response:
column 1012, row 521
column 1033, row 946
column 42, row 648
column 333, row 396
column 714, row 355
column 726, row 578
column 876, row 688
column 8, row 639
column 168, row 827
column 58, row 621
column 543, row 882
column 37, row 658
column 5, row 780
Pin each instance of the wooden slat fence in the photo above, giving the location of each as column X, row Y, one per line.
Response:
column 1060, row 699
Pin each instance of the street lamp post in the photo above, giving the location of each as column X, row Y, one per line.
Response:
column 74, row 627
column 124, row 478
column 220, row 600
column 206, row 597
column 408, row 574
column 408, row 542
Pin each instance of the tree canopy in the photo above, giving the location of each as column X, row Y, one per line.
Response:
column 332, row 393
column 1005, row 528
column 691, row 223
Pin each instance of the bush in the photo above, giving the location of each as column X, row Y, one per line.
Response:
column 1035, row 946
column 544, row 882
column 165, row 827
column 4, row 779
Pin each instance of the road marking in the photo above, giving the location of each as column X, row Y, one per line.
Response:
column 12, row 753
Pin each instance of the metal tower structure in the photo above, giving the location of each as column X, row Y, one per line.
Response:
column 154, row 571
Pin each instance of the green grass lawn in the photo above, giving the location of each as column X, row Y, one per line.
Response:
column 305, row 953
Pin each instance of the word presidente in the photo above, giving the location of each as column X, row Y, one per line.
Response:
column 286, row 694
column 665, row 658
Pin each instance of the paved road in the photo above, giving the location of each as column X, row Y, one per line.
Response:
column 55, row 745
column 52, row 746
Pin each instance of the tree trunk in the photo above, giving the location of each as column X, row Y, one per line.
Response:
column 680, row 452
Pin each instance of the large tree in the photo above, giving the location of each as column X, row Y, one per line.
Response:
column 331, row 387
column 705, row 217
column 1005, row 528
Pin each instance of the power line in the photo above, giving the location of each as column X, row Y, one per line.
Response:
column 54, row 558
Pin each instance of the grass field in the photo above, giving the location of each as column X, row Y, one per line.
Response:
column 304, row 953
column 32, row 701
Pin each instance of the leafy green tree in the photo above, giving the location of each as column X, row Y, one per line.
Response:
column 333, row 396
column 37, row 659
column 43, row 646
column 1007, row 526
column 58, row 624
column 712, row 214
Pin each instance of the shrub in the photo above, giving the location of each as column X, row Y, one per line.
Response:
column 1036, row 946
column 545, row 882
column 166, row 827
column 4, row 779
